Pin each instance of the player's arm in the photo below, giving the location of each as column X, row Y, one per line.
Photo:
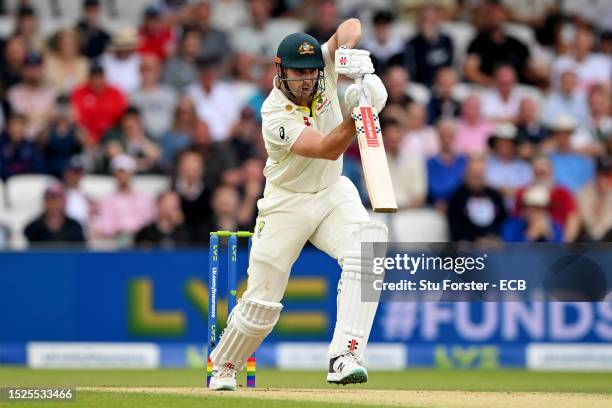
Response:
column 312, row 143
column 347, row 35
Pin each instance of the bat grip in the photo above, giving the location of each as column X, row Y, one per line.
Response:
column 363, row 101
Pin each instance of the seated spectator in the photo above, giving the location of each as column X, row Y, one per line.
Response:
column 98, row 105
column 62, row 140
column 18, row 155
column 244, row 137
column 505, row 171
column 530, row 133
column 567, row 100
column 386, row 48
column 178, row 137
column 473, row 129
column 14, row 55
column 65, row 67
column 265, row 85
column 54, row 226
column 572, row 170
column 535, row 223
column 121, row 62
column 501, row 101
column 168, row 231
column 599, row 122
column 325, row 22
column 123, row 212
column 225, row 210
column 445, row 170
column 156, row 102
column 493, row 47
column 430, row 49
column 78, row 205
column 93, row 37
column 420, row 139
column 181, row 70
column 563, row 208
column 215, row 101
column 194, row 194
column 130, row 138
column 258, row 37
column 155, row 37
column 442, row 103
column 396, row 81
column 33, row 98
column 214, row 43
column 595, row 203
column 27, row 26
column 475, row 212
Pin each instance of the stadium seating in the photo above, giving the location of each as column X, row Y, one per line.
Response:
column 152, row 185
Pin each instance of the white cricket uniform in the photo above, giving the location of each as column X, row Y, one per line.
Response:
column 304, row 199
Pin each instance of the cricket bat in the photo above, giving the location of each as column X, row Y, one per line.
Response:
column 373, row 157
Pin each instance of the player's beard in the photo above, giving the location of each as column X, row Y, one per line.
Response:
column 300, row 96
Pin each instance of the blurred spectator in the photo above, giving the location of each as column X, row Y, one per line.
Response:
column 98, row 105
column 257, row 37
column 532, row 13
column 214, row 43
column 593, row 12
column 156, row 102
column 266, row 83
column 181, row 70
column 562, row 205
column 5, row 107
column 225, row 207
column 121, row 62
column 475, row 212
column 18, row 155
column 229, row 14
column 445, row 170
column 129, row 138
column 325, row 22
column 168, row 231
column 605, row 44
column 492, row 47
column 179, row 135
column 420, row 139
column 568, row 100
column 14, row 55
column 572, row 170
column 505, row 171
column 412, row 9
column 5, row 236
column 386, row 47
column 93, row 37
column 442, row 104
column 65, row 67
column 194, row 194
column 590, row 68
column 595, row 202
column 535, row 223
column 32, row 97
column 215, row 101
column 251, row 188
column 78, row 205
column 26, row 25
column 472, row 129
column 124, row 211
column 396, row 81
column 243, row 140
column 530, row 133
column 407, row 170
column 54, row 226
column 62, row 139
column 430, row 49
column 599, row 122
column 501, row 101
column 155, row 36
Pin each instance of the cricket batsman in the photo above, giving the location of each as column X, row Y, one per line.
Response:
column 307, row 199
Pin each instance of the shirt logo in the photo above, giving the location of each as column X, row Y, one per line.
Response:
column 282, row 133
column 306, row 122
column 306, row 48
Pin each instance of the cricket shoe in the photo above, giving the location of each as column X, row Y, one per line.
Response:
column 345, row 369
column 223, row 379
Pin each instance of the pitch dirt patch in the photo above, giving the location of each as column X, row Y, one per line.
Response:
column 429, row 399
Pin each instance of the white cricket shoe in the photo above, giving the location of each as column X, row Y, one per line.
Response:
column 223, row 379
column 345, row 369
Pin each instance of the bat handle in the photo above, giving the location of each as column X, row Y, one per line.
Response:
column 363, row 101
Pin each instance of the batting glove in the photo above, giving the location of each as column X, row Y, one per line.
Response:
column 353, row 63
column 375, row 92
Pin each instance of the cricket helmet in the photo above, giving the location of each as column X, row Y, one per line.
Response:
column 299, row 51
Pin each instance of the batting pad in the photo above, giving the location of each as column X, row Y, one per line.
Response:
column 355, row 317
column 249, row 324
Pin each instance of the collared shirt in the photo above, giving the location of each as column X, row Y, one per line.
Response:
column 124, row 212
column 282, row 124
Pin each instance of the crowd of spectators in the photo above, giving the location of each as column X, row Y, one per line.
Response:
column 507, row 136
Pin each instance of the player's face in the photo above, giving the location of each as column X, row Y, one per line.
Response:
column 302, row 82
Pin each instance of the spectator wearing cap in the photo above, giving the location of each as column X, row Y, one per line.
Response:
column 155, row 101
column 62, row 140
column 65, row 67
column 475, row 212
column 473, row 129
column 53, row 226
column 156, row 37
column 129, row 138
column 572, row 170
column 445, row 170
column 442, row 103
column 18, row 155
column 14, row 55
column 78, row 205
column 178, row 138
column 181, row 70
column 168, row 230
column 214, row 43
column 386, row 48
column 121, row 62
column 125, row 211
column 98, row 105
column 430, row 49
column 530, row 132
column 420, row 139
column 505, row 171
column 501, row 101
column 595, row 203
column 535, row 223
column 94, row 39
column 215, row 101
column 32, row 97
